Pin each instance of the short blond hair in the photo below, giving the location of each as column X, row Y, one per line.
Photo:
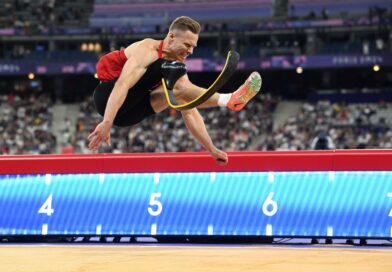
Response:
column 185, row 23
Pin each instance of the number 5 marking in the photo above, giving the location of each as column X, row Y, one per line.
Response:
column 272, row 203
column 46, row 208
column 154, row 202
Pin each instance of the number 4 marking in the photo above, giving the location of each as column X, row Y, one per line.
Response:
column 46, row 208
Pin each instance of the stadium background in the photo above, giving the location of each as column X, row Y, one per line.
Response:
column 326, row 68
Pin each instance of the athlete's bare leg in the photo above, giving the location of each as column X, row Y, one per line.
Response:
column 185, row 91
column 159, row 103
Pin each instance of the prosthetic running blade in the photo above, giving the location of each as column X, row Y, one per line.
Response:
column 227, row 71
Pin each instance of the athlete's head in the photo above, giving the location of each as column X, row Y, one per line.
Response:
column 183, row 35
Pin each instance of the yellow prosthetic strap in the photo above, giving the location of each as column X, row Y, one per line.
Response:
column 227, row 71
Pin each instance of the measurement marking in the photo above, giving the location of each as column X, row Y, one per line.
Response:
column 48, row 179
column 156, row 178
column 101, row 178
column 153, row 229
column 98, row 230
column 44, row 230
column 268, row 230
column 331, row 176
column 210, row 230
column 389, row 194
column 271, row 177
column 213, row 176
column 329, row 231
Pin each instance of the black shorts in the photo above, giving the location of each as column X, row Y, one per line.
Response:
column 135, row 108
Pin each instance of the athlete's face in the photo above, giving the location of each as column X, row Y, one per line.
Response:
column 182, row 43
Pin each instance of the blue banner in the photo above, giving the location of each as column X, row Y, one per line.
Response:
column 319, row 204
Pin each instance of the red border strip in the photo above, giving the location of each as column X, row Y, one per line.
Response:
column 337, row 160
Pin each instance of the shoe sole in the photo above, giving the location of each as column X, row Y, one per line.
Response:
column 253, row 87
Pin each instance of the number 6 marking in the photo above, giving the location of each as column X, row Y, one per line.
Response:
column 155, row 202
column 269, row 202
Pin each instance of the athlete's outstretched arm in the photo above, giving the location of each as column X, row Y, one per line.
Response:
column 142, row 54
column 195, row 124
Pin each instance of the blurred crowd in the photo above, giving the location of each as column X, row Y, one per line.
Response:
column 26, row 125
column 26, row 128
column 334, row 126
column 38, row 15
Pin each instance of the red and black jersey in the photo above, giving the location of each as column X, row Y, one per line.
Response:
column 109, row 66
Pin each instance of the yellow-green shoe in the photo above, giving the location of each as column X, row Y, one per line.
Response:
column 246, row 92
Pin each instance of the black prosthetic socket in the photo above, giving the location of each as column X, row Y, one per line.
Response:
column 172, row 71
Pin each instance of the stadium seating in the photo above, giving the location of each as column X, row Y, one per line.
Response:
column 351, row 126
column 26, row 125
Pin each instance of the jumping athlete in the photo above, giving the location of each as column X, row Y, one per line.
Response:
column 130, row 86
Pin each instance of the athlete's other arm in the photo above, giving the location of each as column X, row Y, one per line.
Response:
column 141, row 54
column 184, row 91
column 195, row 125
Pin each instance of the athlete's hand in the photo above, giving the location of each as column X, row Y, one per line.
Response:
column 100, row 134
column 220, row 156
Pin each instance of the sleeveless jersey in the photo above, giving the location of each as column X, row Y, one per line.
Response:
column 109, row 66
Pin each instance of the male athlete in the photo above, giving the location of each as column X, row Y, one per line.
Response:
column 130, row 89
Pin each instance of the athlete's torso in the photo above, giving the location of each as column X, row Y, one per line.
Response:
column 109, row 68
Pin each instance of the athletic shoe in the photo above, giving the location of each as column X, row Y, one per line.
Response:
column 246, row 92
